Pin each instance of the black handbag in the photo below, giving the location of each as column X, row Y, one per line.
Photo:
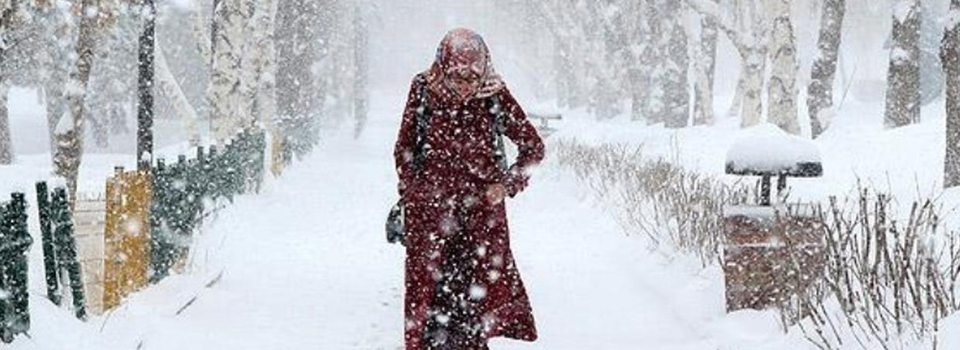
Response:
column 394, row 226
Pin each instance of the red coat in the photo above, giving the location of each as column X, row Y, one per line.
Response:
column 461, row 279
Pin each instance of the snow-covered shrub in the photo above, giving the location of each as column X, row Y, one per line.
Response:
column 677, row 209
column 887, row 280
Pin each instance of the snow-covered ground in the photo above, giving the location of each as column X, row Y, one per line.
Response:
column 304, row 265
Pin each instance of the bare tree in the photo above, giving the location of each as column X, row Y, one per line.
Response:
column 674, row 66
column 360, row 67
column 706, row 61
column 7, row 12
column 820, row 90
column 267, row 66
column 59, row 35
column 225, row 81
column 746, row 29
column 651, row 52
column 950, row 56
column 298, row 49
column 782, row 88
column 145, row 86
column 903, row 77
column 6, row 144
column 251, row 62
column 69, row 138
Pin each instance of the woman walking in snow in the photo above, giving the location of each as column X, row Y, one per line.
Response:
column 462, row 285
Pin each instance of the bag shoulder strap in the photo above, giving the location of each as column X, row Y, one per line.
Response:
column 499, row 118
column 423, row 123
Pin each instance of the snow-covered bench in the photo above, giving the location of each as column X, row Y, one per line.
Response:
column 545, row 115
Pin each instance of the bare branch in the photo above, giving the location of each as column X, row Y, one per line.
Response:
column 712, row 10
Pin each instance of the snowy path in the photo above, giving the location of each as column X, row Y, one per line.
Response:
column 305, row 266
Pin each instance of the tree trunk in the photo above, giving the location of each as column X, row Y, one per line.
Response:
column 251, row 62
column 54, row 84
column 6, row 143
column 820, row 90
column 297, row 53
column 950, row 56
column 746, row 33
column 145, row 87
column 737, row 101
column 360, row 64
column 69, row 152
column 705, row 66
column 782, row 89
column 903, row 77
column 267, row 98
column 653, row 52
column 7, row 11
column 675, row 83
column 754, row 63
column 55, row 104
column 225, row 81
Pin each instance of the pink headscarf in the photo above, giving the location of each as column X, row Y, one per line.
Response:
column 463, row 47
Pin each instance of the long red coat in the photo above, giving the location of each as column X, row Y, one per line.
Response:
column 462, row 285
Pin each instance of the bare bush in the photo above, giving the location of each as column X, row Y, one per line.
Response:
column 884, row 279
column 675, row 208
column 890, row 279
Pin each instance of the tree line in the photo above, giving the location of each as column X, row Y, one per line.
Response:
column 281, row 64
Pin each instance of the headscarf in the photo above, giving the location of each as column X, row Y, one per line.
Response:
column 463, row 47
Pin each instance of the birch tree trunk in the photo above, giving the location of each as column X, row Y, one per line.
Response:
column 6, row 143
column 267, row 81
column 903, row 77
column 653, row 53
column 251, row 61
column 675, row 83
column 746, row 35
column 820, row 90
column 705, row 66
column 54, row 85
column 753, row 66
column 360, row 64
column 950, row 56
column 69, row 151
column 225, row 81
column 639, row 69
column 782, row 89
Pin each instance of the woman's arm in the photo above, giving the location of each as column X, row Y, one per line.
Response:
column 405, row 148
column 525, row 136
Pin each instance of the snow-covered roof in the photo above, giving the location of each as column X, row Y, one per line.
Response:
column 765, row 149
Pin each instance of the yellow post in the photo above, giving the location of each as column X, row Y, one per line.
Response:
column 127, row 236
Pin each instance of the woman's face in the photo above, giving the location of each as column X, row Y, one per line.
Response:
column 464, row 81
column 466, row 76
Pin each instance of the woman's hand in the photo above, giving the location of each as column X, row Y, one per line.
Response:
column 496, row 193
